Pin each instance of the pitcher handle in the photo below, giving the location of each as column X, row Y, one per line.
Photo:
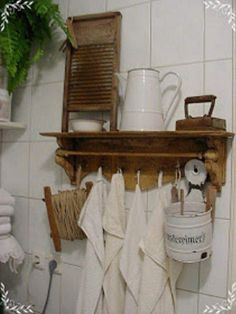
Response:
column 179, row 83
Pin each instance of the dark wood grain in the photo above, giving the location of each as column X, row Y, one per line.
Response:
column 90, row 80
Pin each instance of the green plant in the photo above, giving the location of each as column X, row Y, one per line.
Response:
column 24, row 33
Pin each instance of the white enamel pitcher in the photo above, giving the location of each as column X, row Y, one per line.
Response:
column 142, row 109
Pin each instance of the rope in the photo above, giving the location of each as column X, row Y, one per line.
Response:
column 67, row 206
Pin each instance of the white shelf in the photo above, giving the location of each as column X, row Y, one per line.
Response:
column 11, row 125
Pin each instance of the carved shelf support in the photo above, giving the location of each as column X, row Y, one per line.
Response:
column 67, row 163
column 216, row 165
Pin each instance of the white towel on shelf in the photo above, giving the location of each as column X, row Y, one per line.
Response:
column 6, row 210
column 90, row 292
column 114, row 226
column 5, row 220
column 131, row 255
column 5, row 229
column 11, row 251
column 6, row 198
column 157, row 292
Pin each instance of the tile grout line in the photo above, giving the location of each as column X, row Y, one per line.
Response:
column 129, row 6
column 201, row 293
column 1, row 150
column 204, row 55
column 28, row 186
column 150, row 34
column 230, row 231
column 231, row 245
column 203, row 86
column 190, row 63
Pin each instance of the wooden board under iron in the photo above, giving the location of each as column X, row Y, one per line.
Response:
column 207, row 122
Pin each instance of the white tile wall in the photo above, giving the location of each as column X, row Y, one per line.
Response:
column 217, row 28
column 135, row 37
column 21, row 112
column 178, row 35
column 42, row 167
column 192, row 77
column 39, row 231
column 38, row 286
column 189, row 278
column 46, row 109
column 15, row 168
column 51, row 67
column 20, row 222
column 215, row 74
column 187, row 302
column 177, row 31
column 214, row 271
column 119, row 4
column 70, row 282
column 77, row 7
column 208, row 300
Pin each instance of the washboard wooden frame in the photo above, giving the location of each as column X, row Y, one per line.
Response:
column 90, row 82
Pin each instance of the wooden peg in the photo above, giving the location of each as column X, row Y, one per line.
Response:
column 211, row 200
column 71, row 31
column 89, row 186
column 51, row 218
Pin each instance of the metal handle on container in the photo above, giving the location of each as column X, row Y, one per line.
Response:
column 199, row 99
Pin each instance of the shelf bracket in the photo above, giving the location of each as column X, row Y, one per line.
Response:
column 68, row 164
column 216, row 163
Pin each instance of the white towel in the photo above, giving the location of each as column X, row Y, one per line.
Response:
column 5, row 220
column 5, row 228
column 6, row 198
column 90, row 292
column 114, row 226
column 156, row 286
column 6, row 210
column 11, row 252
column 131, row 256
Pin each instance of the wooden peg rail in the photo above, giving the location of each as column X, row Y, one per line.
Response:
column 148, row 152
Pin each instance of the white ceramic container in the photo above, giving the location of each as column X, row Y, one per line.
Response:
column 142, row 102
column 188, row 237
column 5, row 105
column 86, row 125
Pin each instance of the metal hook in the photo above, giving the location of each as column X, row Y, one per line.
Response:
column 138, row 176
column 119, row 170
column 160, row 178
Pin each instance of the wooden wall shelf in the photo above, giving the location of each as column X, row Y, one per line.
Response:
column 148, row 152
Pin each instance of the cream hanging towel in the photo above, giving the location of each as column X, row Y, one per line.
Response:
column 90, row 292
column 131, row 256
column 159, row 275
column 114, row 226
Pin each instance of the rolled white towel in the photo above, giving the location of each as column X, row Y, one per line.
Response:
column 11, row 252
column 5, row 220
column 5, row 229
column 6, row 210
column 6, row 198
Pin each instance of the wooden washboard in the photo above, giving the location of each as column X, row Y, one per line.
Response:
column 90, row 80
